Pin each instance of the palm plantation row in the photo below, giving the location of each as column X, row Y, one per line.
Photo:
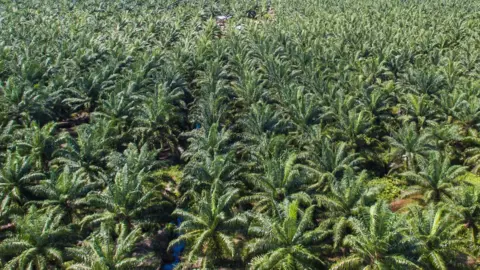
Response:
column 332, row 135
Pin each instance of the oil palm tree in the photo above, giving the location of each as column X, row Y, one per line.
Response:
column 156, row 122
column 438, row 238
column 263, row 119
column 107, row 250
column 17, row 176
column 24, row 103
column 201, row 174
column 6, row 138
column 377, row 242
column 418, row 109
column 39, row 143
column 209, row 226
column 354, row 127
column 38, row 241
column 287, row 241
column 84, row 155
column 409, row 145
column 345, row 200
column 467, row 208
column 136, row 159
column 63, row 194
column 435, row 180
column 126, row 201
column 118, row 108
column 468, row 114
column 329, row 160
column 472, row 153
column 207, row 143
column 279, row 179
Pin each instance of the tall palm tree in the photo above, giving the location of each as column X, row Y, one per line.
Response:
column 286, row 241
column 102, row 251
column 345, row 200
column 37, row 242
column 437, row 236
column 209, row 226
column 377, row 242
column 435, row 180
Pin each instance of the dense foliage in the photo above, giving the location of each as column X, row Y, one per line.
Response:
column 332, row 134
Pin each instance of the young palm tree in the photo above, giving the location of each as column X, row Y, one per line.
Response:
column 209, row 226
column 6, row 138
column 286, row 241
column 435, row 179
column 354, row 127
column 201, row 174
column 263, row 119
column 17, row 176
column 409, row 145
column 136, row 159
column 472, row 153
column 377, row 242
column 37, row 242
column 279, row 179
column 329, row 160
column 84, row 155
column 207, row 143
column 437, row 236
column 39, row 143
column 24, row 103
column 156, row 122
column 126, row 201
column 418, row 109
column 102, row 251
column 346, row 199
column 118, row 108
column 467, row 208
column 64, row 194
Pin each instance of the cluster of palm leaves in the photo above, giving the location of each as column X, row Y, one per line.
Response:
column 326, row 135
